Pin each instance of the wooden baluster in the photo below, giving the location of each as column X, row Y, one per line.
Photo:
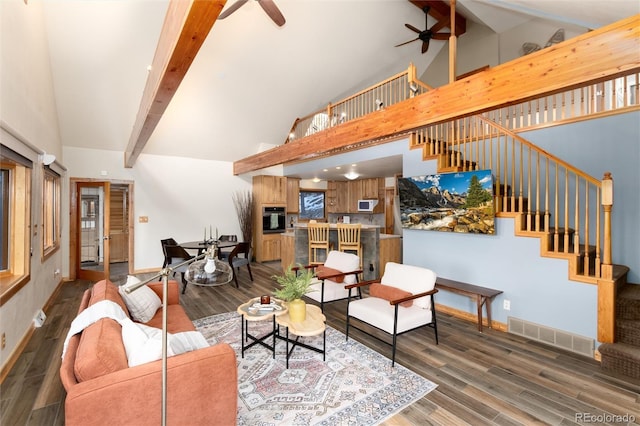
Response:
column 556, row 215
column 566, row 210
column 587, row 258
column 576, row 235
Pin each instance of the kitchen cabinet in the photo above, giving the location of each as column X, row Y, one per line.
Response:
column 270, row 189
column 338, row 196
column 270, row 248
column 293, row 195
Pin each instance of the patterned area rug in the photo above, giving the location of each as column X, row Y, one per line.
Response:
column 354, row 386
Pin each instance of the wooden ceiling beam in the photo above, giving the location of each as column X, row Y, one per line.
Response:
column 440, row 10
column 592, row 57
column 185, row 29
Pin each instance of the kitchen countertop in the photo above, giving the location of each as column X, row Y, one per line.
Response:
column 335, row 226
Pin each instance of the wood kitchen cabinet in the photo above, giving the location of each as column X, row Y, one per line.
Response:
column 338, row 196
column 270, row 248
column 293, row 195
column 270, row 189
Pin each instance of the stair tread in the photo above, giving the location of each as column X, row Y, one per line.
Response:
column 626, row 349
column 630, row 291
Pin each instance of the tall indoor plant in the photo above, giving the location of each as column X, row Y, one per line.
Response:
column 293, row 285
column 243, row 201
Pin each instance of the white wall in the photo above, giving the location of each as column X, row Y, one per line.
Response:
column 29, row 126
column 180, row 196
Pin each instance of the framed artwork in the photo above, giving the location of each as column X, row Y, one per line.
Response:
column 448, row 202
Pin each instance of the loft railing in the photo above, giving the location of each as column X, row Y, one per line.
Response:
column 584, row 102
column 397, row 88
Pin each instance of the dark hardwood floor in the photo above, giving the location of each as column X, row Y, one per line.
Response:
column 483, row 378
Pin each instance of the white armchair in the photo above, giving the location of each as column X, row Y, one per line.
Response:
column 400, row 302
column 340, row 269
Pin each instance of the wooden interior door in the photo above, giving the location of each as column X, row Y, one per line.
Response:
column 93, row 225
column 119, row 224
column 389, row 205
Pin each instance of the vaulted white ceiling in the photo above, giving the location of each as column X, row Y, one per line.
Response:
column 251, row 79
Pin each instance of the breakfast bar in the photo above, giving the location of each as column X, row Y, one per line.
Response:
column 295, row 248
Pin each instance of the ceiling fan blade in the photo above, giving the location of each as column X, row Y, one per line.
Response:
column 425, row 45
column 441, row 36
column 272, row 10
column 407, row 42
column 232, row 9
column 412, row 28
column 440, row 25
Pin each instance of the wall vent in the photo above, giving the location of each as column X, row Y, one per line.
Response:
column 551, row 336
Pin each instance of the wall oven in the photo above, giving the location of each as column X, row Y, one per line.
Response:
column 273, row 220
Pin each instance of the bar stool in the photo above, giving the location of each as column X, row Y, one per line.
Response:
column 349, row 238
column 318, row 240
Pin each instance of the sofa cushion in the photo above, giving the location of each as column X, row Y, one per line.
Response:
column 143, row 303
column 100, row 350
column 343, row 262
column 389, row 293
column 413, row 279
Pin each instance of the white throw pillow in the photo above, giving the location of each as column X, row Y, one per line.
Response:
column 144, row 344
column 143, row 303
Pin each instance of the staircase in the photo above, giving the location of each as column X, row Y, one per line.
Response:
column 564, row 207
column 623, row 356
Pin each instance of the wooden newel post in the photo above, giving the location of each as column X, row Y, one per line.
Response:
column 607, row 204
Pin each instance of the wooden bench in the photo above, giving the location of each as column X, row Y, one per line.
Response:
column 483, row 295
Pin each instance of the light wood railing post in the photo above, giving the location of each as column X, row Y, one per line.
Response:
column 607, row 205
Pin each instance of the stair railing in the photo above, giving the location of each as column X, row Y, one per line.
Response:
column 600, row 98
column 551, row 198
column 397, row 88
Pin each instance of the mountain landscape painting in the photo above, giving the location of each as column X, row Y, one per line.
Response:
column 449, row 202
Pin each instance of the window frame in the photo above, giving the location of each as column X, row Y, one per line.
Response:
column 18, row 271
column 301, row 216
column 50, row 227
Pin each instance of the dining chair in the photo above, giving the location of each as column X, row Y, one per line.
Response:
column 173, row 256
column 240, row 256
column 318, row 242
column 167, row 241
column 224, row 252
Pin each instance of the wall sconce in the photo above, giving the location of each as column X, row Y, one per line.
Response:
column 379, row 104
column 48, row 159
column 352, row 175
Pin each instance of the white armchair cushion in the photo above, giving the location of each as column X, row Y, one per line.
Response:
column 332, row 291
column 379, row 313
column 413, row 279
column 343, row 262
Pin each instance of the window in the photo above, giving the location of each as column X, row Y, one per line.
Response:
column 312, row 204
column 50, row 212
column 15, row 175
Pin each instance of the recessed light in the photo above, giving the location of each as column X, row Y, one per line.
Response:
column 315, row 180
column 338, row 168
column 325, row 170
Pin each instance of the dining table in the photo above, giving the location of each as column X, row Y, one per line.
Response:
column 201, row 245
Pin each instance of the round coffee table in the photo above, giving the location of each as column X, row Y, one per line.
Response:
column 313, row 325
column 251, row 312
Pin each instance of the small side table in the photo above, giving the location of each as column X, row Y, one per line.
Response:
column 250, row 314
column 313, row 325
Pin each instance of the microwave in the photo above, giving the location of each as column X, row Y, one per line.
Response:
column 367, row 205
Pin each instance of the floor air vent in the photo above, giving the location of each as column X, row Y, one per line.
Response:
column 551, row 336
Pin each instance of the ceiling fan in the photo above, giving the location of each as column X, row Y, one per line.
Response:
column 556, row 38
column 268, row 5
column 430, row 33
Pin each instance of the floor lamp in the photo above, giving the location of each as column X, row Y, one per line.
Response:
column 205, row 270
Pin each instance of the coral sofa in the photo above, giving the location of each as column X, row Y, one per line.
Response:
column 103, row 389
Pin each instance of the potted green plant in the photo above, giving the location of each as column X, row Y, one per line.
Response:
column 293, row 285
